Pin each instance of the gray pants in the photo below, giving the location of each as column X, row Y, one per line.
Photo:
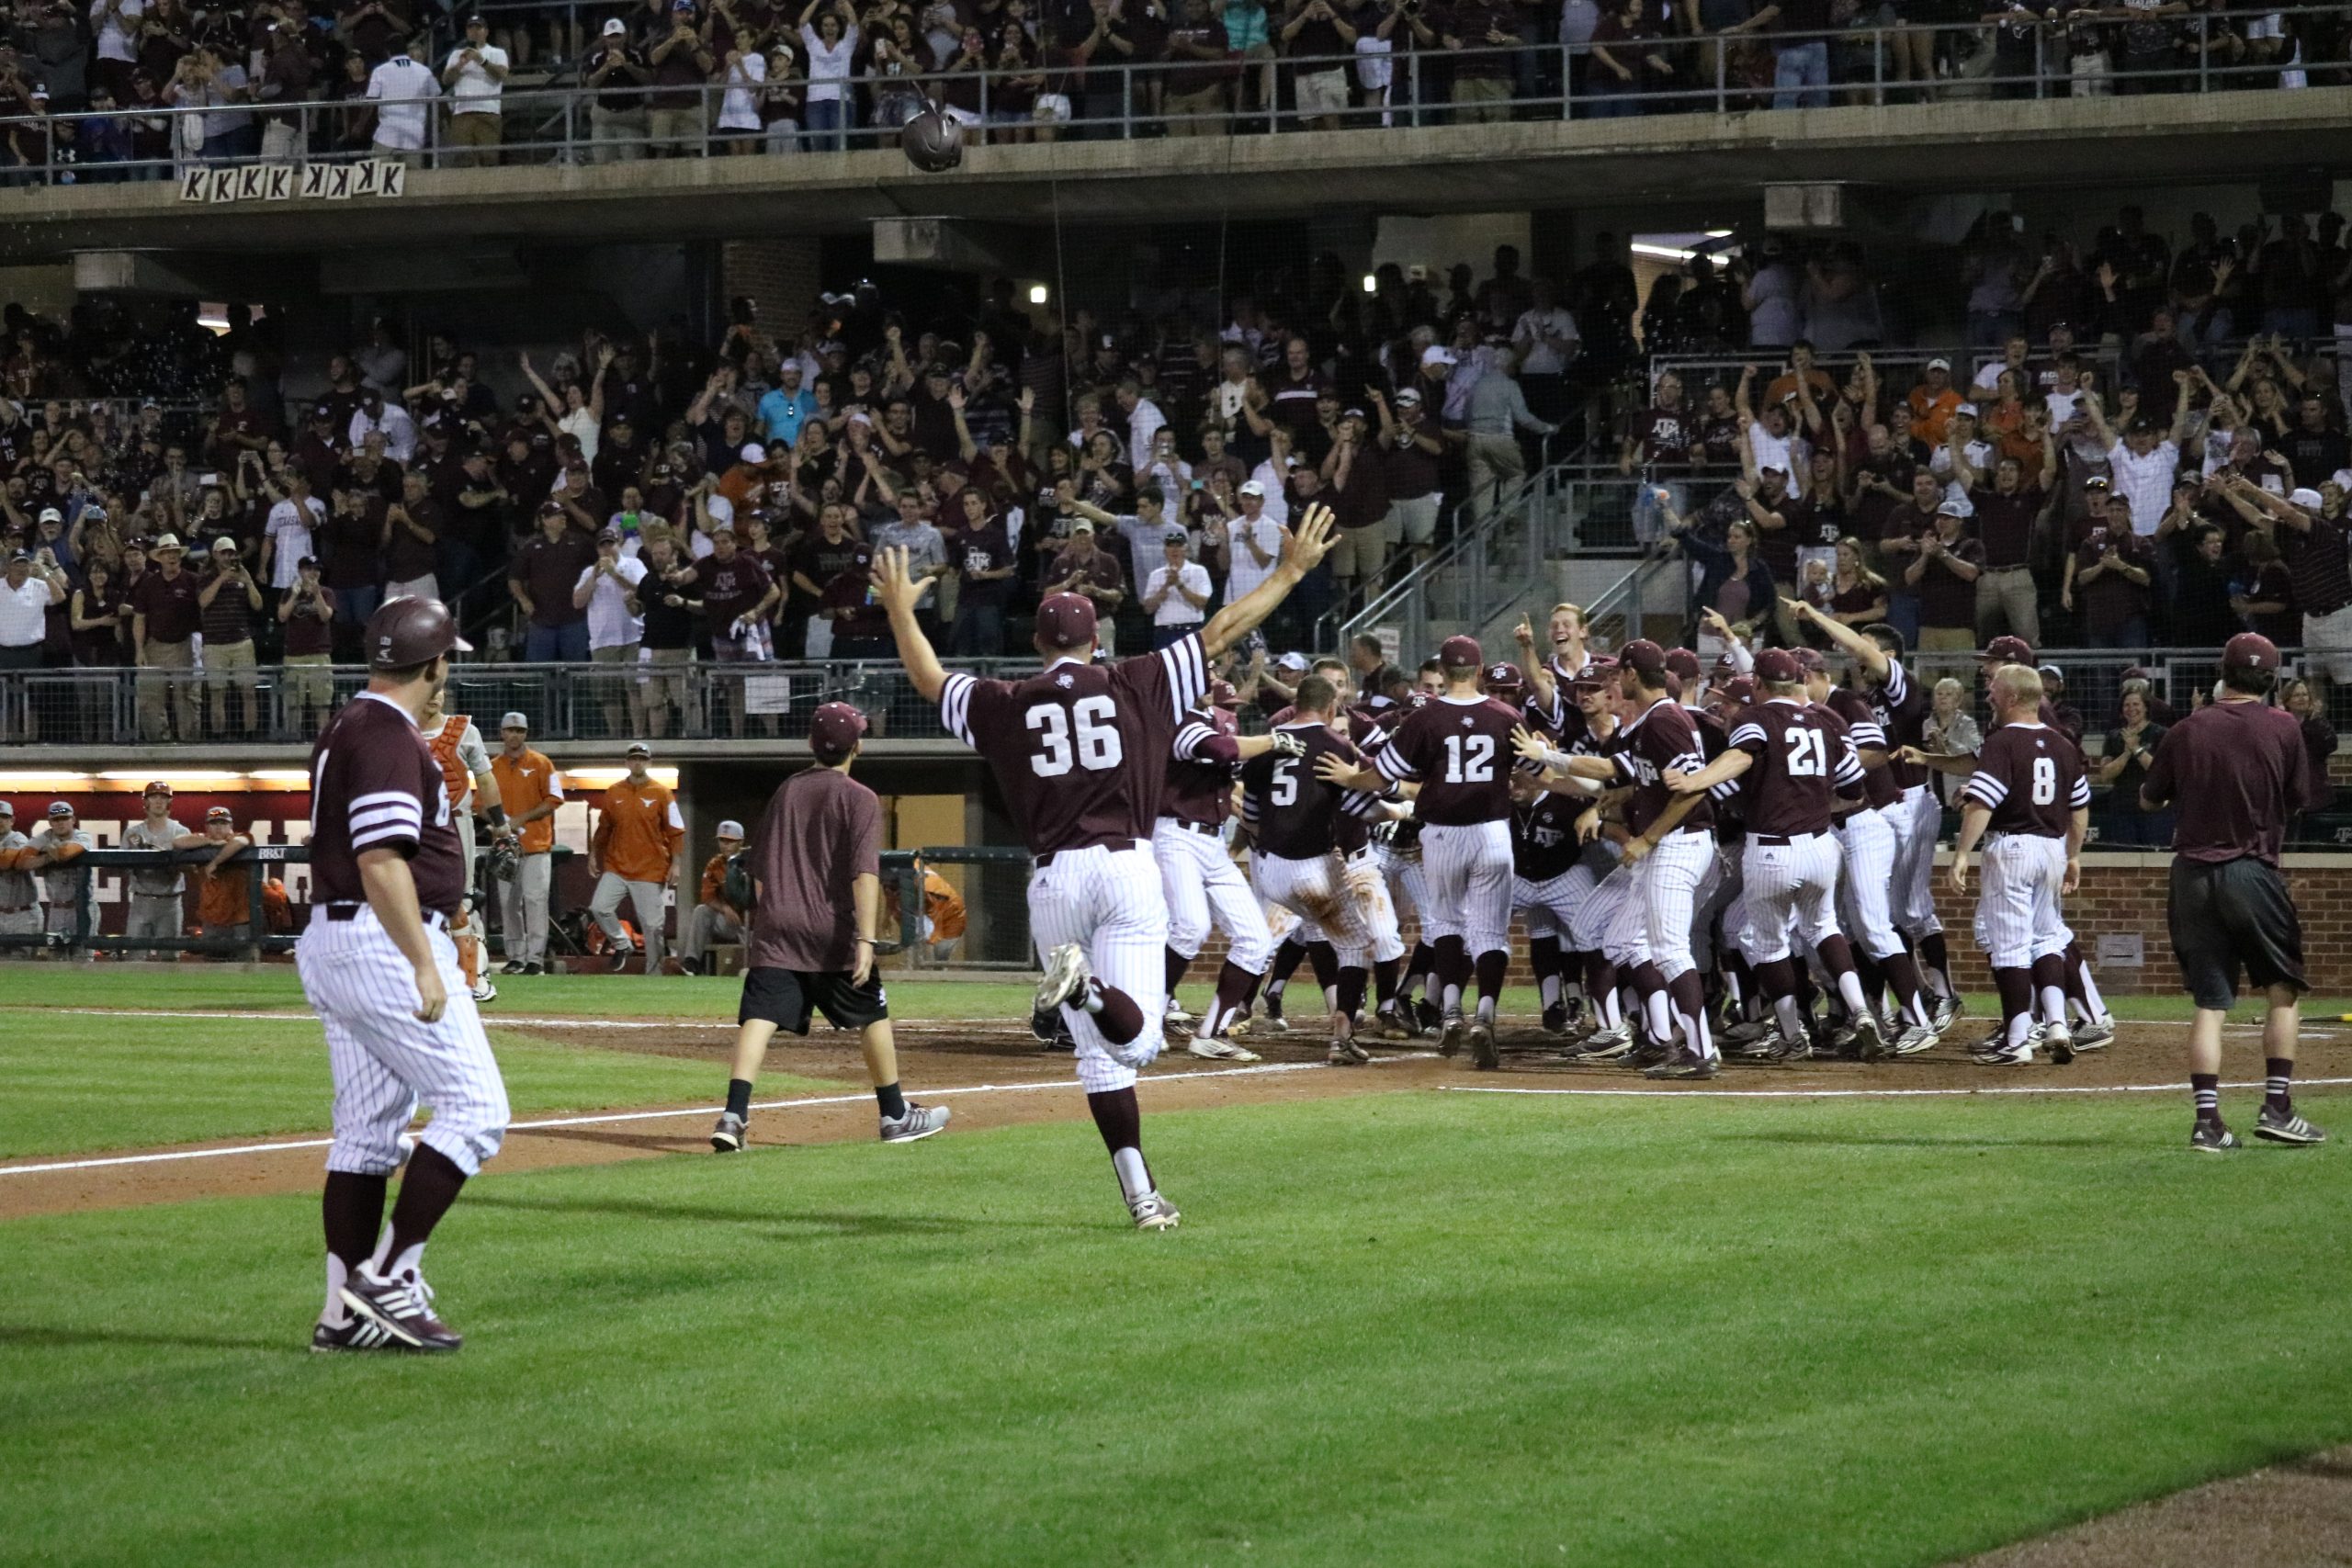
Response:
column 2007, row 602
column 618, row 695
column 646, row 896
column 158, row 915
column 64, row 916
column 19, row 923
column 522, row 909
column 705, row 926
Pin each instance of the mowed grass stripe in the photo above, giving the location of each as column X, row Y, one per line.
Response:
column 1438, row 1329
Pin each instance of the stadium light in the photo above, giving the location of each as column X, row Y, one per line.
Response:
column 1036, row 294
column 1371, row 284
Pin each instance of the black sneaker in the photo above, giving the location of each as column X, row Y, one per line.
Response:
column 402, row 1306
column 2286, row 1127
column 355, row 1333
column 535, row 968
column 512, row 966
column 619, row 959
column 689, row 966
column 1555, row 1019
column 1430, row 1017
column 2211, row 1139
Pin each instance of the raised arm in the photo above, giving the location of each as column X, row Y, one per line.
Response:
column 899, row 590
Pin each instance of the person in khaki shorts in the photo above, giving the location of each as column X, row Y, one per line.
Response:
column 635, row 851
column 157, row 904
column 19, row 905
column 529, row 791
column 306, row 680
column 476, row 78
column 228, row 600
column 714, row 920
column 165, row 618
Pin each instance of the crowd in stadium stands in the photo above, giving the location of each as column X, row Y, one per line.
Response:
column 675, row 77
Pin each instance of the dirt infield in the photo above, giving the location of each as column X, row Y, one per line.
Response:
column 2287, row 1514
column 994, row 1075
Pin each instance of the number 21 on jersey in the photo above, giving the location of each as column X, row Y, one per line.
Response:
column 1086, row 737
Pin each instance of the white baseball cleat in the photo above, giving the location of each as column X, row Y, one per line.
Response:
column 2061, row 1042
column 1177, row 1018
column 1347, row 1054
column 1066, row 975
column 1153, row 1213
column 1914, row 1040
column 1989, row 1055
column 1210, row 1048
column 485, row 992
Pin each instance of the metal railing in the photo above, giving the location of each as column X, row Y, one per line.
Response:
column 81, row 929
column 577, row 124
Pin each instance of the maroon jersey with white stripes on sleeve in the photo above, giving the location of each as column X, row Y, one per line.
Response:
column 1201, row 768
column 1458, row 749
column 2031, row 778
column 1903, row 706
column 1803, row 756
column 1661, row 736
column 375, row 785
column 1081, row 750
column 1860, row 715
column 1293, row 813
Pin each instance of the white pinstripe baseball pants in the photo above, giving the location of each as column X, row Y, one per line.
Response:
column 1790, row 888
column 1468, row 869
column 1317, row 891
column 1551, row 905
column 1407, row 888
column 1369, row 888
column 1916, row 831
column 1110, row 902
column 1864, row 904
column 386, row 1060
column 1203, row 887
column 2017, row 902
column 1669, row 883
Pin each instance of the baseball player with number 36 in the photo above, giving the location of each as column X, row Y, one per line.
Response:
column 1080, row 751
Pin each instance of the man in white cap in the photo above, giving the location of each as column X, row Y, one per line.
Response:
column 1253, row 543
column 529, row 791
column 713, row 919
column 19, row 905
column 634, row 851
column 616, row 118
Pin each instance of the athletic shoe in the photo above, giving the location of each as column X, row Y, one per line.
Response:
column 1649, row 1052
column 1347, row 1054
column 1759, row 1048
column 1429, row 1016
column 1681, row 1066
column 485, row 992
column 1748, row 1031
column 1064, row 979
column 2060, row 1039
column 1608, row 1046
column 689, row 966
column 2211, row 1139
column 1869, row 1044
column 728, row 1137
column 1482, row 1046
column 1787, row 1050
column 356, row 1333
column 920, row 1121
column 402, row 1307
column 619, row 959
column 1257, row 1025
column 535, row 968
column 1450, row 1040
column 2003, row 1055
column 1387, row 1025
column 1177, row 1018
column 2095, row 1036
column 1841, row 1042
column 1947, row 1007
column 1153, row 1213
column 512, row 966
column 1555, row 1019
column 2286, row 1127
column 1914, row 1040
column 1213, row 1048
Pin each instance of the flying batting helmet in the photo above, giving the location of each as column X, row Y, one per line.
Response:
column 408, row 632
column 931, row 141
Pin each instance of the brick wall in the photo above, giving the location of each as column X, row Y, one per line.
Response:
column 780, row 276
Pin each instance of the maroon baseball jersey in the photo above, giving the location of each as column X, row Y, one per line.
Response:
column 1292, row 813
column 1860, row 717
column 2031, row 778
column 1080, row 749
column 1202, row 764
column 2238, row 772
column 1803, row 757
column 1903, row 706
column 1544, row 836
column 1459, row 750
column 375, row 785
column 1661, row 737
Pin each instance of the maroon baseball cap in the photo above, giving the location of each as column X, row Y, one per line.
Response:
column 1809, row 659
column 2007, row 651
column 1221, row 694
column 1459, row 652
column 1066, row 621
column 834, row 730
column 1740, row 690
column 1674, row 685
column 1683, row 663
column 1504, row 676
column 2250, row 650
column 1597, row 671
column 1777, row 667
column 1643, row 657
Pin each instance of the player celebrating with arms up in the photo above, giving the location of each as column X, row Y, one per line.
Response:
column 1080, row 750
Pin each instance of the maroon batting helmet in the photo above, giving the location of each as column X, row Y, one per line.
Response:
column 406, row 632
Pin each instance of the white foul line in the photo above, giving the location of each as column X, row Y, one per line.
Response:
column 607, row 1118
column 1862, row 1093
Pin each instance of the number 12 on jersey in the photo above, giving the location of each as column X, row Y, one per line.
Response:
column 1469, row 758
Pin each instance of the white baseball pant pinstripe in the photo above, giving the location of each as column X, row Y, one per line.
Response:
column 1316, row 890
column 1110, row 903
column 1406, row 887
column 1916, row 831
column 1604, row 926
column 1550, row 906
column 1669, row 883
column 386, row 1060
column 1863, row 901
column 1467, row 867
column 1720, row 895
column 1370, row 890
column 1203, row 887
column 2017, row 904
column 1790, row 886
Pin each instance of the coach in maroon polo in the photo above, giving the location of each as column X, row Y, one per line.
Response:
column 2236, row 770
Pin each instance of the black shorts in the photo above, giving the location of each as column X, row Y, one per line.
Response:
column 787, row 997
column 2232, row 914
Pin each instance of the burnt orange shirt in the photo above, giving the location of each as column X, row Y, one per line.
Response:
column 639, row 831
column 525, row 782
column 224, row 896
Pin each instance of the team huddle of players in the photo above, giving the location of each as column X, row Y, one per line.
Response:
column 1701, row 859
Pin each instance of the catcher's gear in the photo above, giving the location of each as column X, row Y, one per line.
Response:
column 735, row 885
column 503, row 861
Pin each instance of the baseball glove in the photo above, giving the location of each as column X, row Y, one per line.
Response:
column 66, row 853
column 502, row 861
column 736, row 885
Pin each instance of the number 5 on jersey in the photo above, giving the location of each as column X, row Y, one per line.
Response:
column 1097, row 749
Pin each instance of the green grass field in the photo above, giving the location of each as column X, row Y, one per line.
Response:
column 1481, row 1330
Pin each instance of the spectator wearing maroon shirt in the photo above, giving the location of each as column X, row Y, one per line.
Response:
column 2111, row 572
column 1087, row 568
column 676, row 115
column 306, row 614
column 413, row 527
column 1196, row 86
column 1662, row 439
column 861, row 627
column 1944, row 576
column 1356, row 486
column 545, row 571
column 1480, row 36
column 228, row 600
column 1780, row 516
column 2006, row 598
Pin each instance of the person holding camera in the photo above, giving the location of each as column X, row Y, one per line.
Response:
column 228, row 600
column 475, row 75
column 1318, row 35
column 306, row 611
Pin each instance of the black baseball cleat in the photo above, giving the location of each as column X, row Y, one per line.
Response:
column 402, row 1307
column 1682, row 1066
column 1555, row 1019
column 1430, row 1017
column 689, row 966
column 535, row 968
column 354, row 1332
column 619, row 959
column 2211, row 1139
column 512, row 966
column 2286, row 1127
